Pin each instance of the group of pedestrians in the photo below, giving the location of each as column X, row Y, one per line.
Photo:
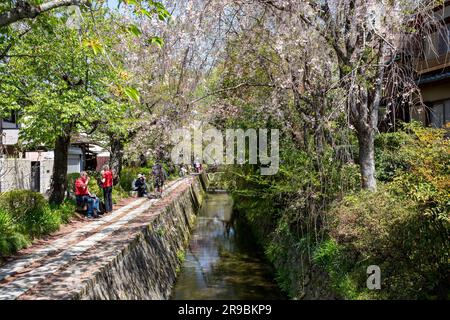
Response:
column 159, row 177
column 85, row 198
column 95, row 207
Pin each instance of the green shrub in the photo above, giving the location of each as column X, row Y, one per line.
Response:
column 94, row 187
column 118, row 194
column 129, row 174
column 6, row 223
column 389, row 159
column 21, row 203
column 325, row 252
column 64, row 210
column 39, row 223
column 30, row 212
column 378, row 228
column 10, row 240
column 427, row 179
column 25, row 215
column 126, row 178
column 334, row 260
column 11, row 243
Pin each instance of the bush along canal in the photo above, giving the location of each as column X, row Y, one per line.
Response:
column 222, row 260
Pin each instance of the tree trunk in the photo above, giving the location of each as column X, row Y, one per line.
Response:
column 366, row 140
column 367, row 126
column 116, row 158
column 59, row 178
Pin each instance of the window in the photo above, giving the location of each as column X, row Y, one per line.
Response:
column 443, row 45
column 440, row 114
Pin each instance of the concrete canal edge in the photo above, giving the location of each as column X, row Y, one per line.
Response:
column 147, row 266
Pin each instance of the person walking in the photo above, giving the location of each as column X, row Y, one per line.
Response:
column 107, row 186
column 159, row 176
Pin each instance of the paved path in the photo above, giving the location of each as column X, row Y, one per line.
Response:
column 19, row 276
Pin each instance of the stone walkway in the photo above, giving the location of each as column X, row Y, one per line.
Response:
column 19, row 276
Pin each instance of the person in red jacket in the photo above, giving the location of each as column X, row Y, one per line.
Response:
column 84, row 196
column 107, row 185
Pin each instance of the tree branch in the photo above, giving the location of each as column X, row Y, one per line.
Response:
column 244, row 84
column 25, row 10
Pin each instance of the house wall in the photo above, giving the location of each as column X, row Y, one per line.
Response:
column 74, row 163
column 75, row 160
column 15, row 174
column 46, row 160
column 434, row 95
column 46, row 174
column 436, row 92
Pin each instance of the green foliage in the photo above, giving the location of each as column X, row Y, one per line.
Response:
column 118, row 194
column 11, row 243
column 326, row 252
column 388, row 158
column 403, row 227
column 328, row 255
column 132, row 93
column 6, row 223
column 94, row 183
column 426, row 181
column 61, row 99
column 22, row 203
column 10, row 239
column 30, row 212
column 147, row 8
column 129, row 174
column 156, row 40
column 65, row 210
column 41, row 223
column 410, row 247
column 25, row 215
column 181, row 255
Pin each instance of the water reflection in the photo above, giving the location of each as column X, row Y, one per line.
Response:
column 217, row 265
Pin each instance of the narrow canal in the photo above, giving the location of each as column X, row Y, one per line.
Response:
column 222, row 261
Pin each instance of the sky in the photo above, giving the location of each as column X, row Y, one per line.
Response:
column 112, row 3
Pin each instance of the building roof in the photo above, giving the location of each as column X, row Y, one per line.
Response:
column 80, row 139
column 425, row 79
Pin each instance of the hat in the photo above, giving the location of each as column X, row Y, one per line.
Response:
column 140, row 175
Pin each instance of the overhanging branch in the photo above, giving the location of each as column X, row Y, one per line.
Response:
column 25, row 10
column 244, row 84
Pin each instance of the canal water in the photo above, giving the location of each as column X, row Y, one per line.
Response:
column 222, row 261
